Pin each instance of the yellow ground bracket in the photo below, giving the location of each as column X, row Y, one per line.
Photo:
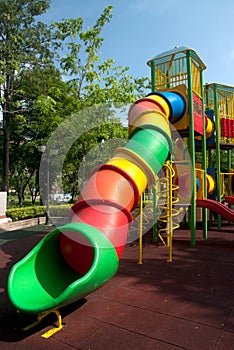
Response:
column 51, row 331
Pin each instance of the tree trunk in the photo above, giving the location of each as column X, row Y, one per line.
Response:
column 6, row 152
column 6, row 110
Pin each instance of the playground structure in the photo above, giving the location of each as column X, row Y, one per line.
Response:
column 76, row 259
column 207, row 124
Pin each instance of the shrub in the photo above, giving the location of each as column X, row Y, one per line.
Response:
column 60, row 210
column 23, row 213
column 17, row 214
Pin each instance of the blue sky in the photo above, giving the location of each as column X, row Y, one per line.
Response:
column 141, row 29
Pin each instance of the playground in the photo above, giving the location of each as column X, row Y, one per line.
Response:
column 170, row 286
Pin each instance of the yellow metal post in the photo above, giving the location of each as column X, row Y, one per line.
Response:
column 140, row 261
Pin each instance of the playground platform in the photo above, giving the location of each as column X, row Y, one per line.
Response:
column 187, row 304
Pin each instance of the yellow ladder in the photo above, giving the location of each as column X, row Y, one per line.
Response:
column 166, row 202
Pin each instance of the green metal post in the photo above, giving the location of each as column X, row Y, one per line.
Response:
column 218, row 180
column 153, row 76
column 192, row 210
column 155, row 213
column 204, row 162
column 207, row 95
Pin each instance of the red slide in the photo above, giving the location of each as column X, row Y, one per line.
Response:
column 216, row 207
column 229, row 199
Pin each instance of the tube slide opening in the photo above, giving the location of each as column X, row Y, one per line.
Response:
column 48, row 275
column 54, row 276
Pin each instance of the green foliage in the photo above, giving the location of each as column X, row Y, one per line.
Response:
column 212, row 159
column 94, row 80
column 47, row 73
column 60, row 210
column 24, row 44
column 23, row 41
column 23, row 213
column 90, row 147
column 17, row 214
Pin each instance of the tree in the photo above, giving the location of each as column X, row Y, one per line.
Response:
column 47, row 101
column 48, row 72
column 94, row 80
column 90, row 151
column 24, row 44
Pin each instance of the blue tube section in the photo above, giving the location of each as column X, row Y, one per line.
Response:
column 176, row 102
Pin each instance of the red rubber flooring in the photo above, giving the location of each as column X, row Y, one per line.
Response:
column 186, row 304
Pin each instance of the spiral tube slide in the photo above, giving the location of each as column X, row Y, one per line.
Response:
column 77, row 258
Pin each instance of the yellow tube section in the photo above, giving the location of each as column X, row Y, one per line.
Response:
column 132, row 170
column 149, row 117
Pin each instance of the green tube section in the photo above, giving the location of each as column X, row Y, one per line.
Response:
column 151, row 145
